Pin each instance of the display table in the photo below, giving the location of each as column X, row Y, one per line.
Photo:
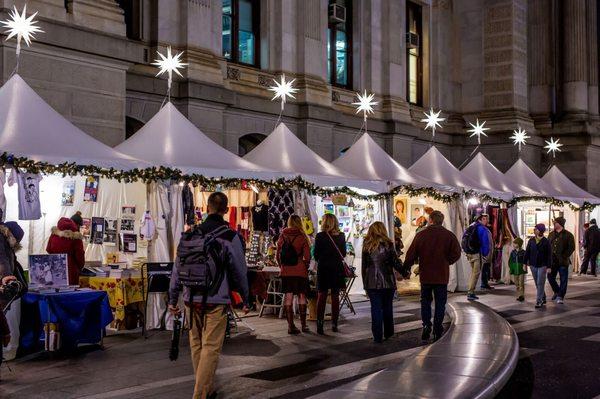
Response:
column 81, row 317
column 121, row 292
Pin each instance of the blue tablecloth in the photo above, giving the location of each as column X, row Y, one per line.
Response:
column 81, row 317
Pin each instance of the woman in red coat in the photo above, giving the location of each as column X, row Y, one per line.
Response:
column 293, row 245
column 66, row 239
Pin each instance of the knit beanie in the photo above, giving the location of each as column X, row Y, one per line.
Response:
column 560, row 220
column 15, row 230
column 77, row 219
column 519, row 242
column 593, row 221
column 541, row 227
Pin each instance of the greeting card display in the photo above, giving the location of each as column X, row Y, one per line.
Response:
column 48, row 270
column 90, row 192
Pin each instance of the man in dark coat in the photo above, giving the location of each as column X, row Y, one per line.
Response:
column 591, row 246
column 434, row 249
column 562, row 244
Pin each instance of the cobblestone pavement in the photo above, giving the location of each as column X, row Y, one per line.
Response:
column 560, row 355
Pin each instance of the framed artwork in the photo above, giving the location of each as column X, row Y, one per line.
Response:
column 68, row 193
column 530, row 219
column 97, row 233
column 48, row 270
column 110, row 231
column 90, row 192
column 86, row 228
column 417, row 214
column 400, row 209
column 128, row 211
column 129, row 243
column 128, row 225
column 328, row 208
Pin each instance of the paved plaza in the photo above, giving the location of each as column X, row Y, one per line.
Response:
column 560, row 348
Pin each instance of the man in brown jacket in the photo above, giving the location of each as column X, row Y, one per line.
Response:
column 434, row 249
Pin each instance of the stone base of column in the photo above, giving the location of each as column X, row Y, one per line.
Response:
column 312, row 90
column 104, row 15
column 204, row 66
column 575, row 100
column 395, row 108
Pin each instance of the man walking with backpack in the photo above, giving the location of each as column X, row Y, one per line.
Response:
column 209, row 258
column 477, row 245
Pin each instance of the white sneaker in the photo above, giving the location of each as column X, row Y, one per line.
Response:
column 559, row 301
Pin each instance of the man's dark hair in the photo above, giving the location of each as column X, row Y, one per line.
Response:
column 218, row 203
column 437, row 217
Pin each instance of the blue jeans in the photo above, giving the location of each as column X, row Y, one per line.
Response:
column 539, row 277
column 428, row 293
column 382, row 313
column 563, row 272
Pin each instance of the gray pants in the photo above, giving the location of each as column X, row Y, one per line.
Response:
column 539, row 276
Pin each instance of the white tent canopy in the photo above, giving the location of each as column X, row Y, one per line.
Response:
column 284, row 152
column 435, row 167
column 31, row 128
column 170, row 139
column 529, row 183
column 367, row 160
column 487, row 175
column 557, row 179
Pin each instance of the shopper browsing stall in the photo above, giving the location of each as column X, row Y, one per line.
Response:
column 293, row 256
column 329, row 253
column 379, row 260
column 66, row 239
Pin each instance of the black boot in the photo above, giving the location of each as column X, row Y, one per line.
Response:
column 426, row 333
column 320, row 329
column 289, row 312
column 302, row 309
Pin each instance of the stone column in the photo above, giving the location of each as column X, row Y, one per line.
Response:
column 592, row 38
column 540, row 62
column 104, row 15
column 52, row 9
column 575, row 57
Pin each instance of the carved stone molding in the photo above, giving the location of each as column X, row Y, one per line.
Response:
column 233, row 73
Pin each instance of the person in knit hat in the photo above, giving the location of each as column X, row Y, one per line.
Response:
column 517, row 268
column 11, row 235
column 537, row 257
column 591, row 248
column 562, row 243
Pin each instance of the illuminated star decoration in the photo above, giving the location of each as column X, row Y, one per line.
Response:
column 283, row 89
column 552, row 146
column 365, row 104
column 22, row 27
column 169, row 64
column 519, row 137
column 478, row 130
column 433, row 121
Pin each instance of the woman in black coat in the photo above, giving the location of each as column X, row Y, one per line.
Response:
column 329, row 253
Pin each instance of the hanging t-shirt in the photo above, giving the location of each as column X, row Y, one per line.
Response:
column 2, row 195
column 260, row 218
column 29, row 196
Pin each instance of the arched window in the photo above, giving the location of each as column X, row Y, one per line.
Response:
column 248, row 142
column 132, row 125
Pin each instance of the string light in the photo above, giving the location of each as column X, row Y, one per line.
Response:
column 365, row 104
column 283, row 89
column 478, row 130
column 433, row 121
column 519, row 137
column 169, row 64
column 553, row 146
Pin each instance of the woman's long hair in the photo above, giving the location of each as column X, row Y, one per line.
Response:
column 376, row 236
column 294, row 221
column 330, row 224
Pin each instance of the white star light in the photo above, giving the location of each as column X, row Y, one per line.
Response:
column 365, row 104
column 519, row 137
column 433, row 120
column 478, row 130
column 283, row 90
column 553, row 146
column 22, row 27
column 169, row 64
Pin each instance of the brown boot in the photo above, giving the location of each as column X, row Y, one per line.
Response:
column 302, row 309
column 289, row 312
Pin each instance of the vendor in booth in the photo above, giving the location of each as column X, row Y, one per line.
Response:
column 66, row 239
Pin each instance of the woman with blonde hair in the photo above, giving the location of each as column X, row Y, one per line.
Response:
column 293, row 256
column 379, row 261
column 329, row 253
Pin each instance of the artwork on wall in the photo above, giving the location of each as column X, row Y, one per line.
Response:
column 90, row 192
column 48, row 270
column 68, row 193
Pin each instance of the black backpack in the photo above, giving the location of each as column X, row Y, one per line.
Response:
column 470, row 240
column 199, row 256
column 288, row 255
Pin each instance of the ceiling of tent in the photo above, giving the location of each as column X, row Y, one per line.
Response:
column 31, row 128
column 367, row 160
column 283, row 151
column 435, row 167
column 487, row 175
column 559, row 181
column 170, row 139
column 529, row 183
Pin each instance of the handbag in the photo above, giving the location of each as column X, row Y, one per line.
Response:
column 348, row 272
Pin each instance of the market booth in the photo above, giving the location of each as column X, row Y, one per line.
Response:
column 436, row 168
column 36, row 139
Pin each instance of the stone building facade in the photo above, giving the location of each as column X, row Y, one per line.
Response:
column 528, row 63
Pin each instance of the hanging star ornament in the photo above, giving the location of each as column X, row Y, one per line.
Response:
column 283, row 89
column 21, row 26
column 365, row 104
column 553, row 146
column 519, row 137
column 169, row 64
column 478, row 130
column 433, row 121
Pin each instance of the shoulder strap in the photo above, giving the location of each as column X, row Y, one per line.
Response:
column 335, row 246
column 218, row 231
